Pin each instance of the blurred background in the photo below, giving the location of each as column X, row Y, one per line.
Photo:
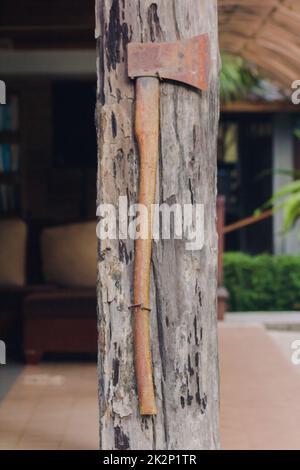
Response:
column 48, row 164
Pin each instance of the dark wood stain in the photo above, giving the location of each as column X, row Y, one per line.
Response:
column 198, row 397
column 100, row 49
column 113, row 36
column 195, row 332
column 156, row 32
column 123, row 254
column 116, row 34
column 200, row 298
column 202, row 401
column 190, row 369
column 189, row 399
column 116, row 371
column 191, row 191
column 114, row 126
column 121, row 440
column 160, row 329
column 120, row 154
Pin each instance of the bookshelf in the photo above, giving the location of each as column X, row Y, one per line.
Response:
column 9, row 157
column 9, row 136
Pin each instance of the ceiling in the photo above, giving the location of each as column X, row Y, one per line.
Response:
column 40, row 24
column 265, row 32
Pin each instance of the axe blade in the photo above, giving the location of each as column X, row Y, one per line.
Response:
column 184, row 61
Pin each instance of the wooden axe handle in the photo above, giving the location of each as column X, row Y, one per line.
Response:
column 147, row 134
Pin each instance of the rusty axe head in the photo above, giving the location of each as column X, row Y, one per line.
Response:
column 184, row 61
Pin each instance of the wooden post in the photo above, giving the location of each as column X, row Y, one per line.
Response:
column 183, row 283
column 222, row 291
column 220, row 230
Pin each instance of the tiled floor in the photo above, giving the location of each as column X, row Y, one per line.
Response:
column 260, row 406
column 54, row 406
column 8, row 375
column 285, row 339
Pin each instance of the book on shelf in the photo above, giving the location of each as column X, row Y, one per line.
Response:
column 9, row 158
column 9, row 115
column 8, row 198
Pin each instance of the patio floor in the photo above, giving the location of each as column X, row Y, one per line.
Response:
column 54, row 406
column 51, row 407
column 260, row 406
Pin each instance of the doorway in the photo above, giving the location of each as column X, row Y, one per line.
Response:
column 245, row 177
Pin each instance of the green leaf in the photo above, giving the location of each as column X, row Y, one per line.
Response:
column 297, row 133
column 237, row 80
column 290, row 188
column 291, row 209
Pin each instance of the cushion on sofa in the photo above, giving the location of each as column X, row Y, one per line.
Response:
column 13, row 241
column 69, row 255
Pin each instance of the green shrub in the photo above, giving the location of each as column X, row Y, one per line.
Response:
column 262, row 283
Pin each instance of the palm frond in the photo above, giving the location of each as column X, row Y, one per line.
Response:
column 291, row 211
column 237, row 80
column 290, row 188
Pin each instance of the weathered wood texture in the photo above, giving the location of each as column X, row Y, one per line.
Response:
column 184, row 283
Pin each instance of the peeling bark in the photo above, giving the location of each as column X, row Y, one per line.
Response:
column 183, row 293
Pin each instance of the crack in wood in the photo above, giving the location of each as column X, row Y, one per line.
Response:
column 156, row 32
column 177, row 31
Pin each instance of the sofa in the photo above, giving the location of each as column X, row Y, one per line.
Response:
column 64, row 320
column 13, row 285
column 47, row 289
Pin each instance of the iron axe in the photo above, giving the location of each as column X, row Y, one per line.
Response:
column 186, row 62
